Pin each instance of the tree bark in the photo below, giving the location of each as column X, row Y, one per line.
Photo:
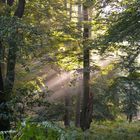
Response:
column 4, row 112
column 78, row 108
column 130, row 118
column 11, row 62
column 65, row 4
column 86, row 114
column 10, row 2
column 1, row 77
column 20, row 9
column 7, row 86
column 4, row 1
column 78, row 100
column 67, row 111
column 70, row 10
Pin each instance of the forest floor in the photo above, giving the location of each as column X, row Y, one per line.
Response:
column 108, row 130
column 116, row 131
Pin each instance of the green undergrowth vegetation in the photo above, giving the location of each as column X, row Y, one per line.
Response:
column 98, row 131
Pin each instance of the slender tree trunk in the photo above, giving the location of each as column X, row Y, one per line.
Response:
column 86, row 114
column 67, row 97
column 78, row 100
column 11, row 62
column 78, row 108
column 4, row 112
column 3, row 64
column 10, row 2
column 70, row 12
column 65, row 4
column 4, row 1
column 1, row 77
column 67, row 111
column 130, row 118
column 20, row 9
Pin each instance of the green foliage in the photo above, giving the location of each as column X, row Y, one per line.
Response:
column 25, row 98
column 123, row 35
column 98, row 131
column 127, row 25
column 30, row 101
column 47, row 28
column 105, row 104
column 128, row 89
column 116, row 131
column 32, row 132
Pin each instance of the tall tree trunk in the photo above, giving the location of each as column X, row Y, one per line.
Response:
column 67, row 111
column 11, row 62
column 67, row 97
column 130, row 117
column 86, row 114
column 6, row 88
column 4, row 112
column 70, row 12
column 10, row 2
column 65, row 4
column 20, row 9
column 4, row 1
column 78, row 99
column 78, row 108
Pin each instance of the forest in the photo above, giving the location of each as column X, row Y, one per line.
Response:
column 69, row 69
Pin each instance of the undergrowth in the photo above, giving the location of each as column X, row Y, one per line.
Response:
column 98, row 131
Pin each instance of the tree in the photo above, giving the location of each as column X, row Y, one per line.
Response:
column 123, row 36
column 105, row 102
column 8, row 83
column 86, row 114
column 127, row 88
